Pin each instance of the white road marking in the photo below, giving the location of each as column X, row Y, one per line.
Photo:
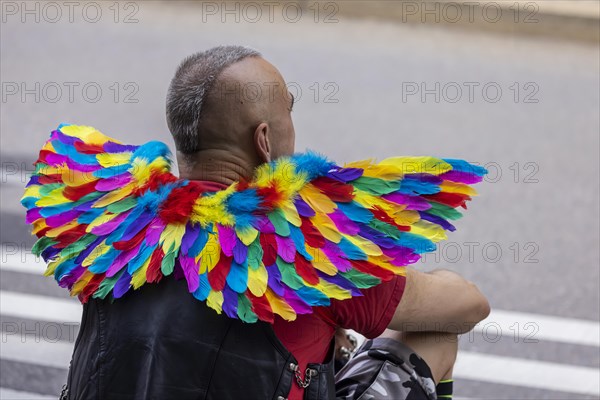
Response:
column 530, row 327
column 40, row 308
column 36, row 350
column 9, row 394
column 528, row 373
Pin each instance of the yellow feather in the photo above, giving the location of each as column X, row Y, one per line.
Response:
column 139, row 277
column 326, row 227
column 406, row 217
column 53, row 198
column 433, row 232
column 247, row 235
column 87, row 133
column 316, row 199
column 170, row 237
column 52, row 267
column 72, row 177
column 32, row 191
column 411, row 165
column 101, row 219
column 384, row 262
column 85, row 278
column 257, row 280
column 114, row 196
column 370, row 248
column 38, row 225
column 210, row 254
column 99, row 250
column 291, row 214
column 332, row 291
column 54, row 232
column 215, row 301
column 453, row 187
column 321, row 261
column 280, row 307
column 113, row 159
column 211, row 208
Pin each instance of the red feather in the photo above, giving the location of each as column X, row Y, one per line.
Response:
column 372, row 269
column 131, row 243
column 48, row 179
column 74, row 193
column 261, row 307
column 218, row 275
column 154, row 274
column 155, row 181
column 305, row 269
column 269, row 246
column 450, row 199
column 90, row 288
column 312, row 236
column 269, row 195
column 335, row 190
column 87, row 148
column 70, row 236
column 177, row 208
column 381, row 215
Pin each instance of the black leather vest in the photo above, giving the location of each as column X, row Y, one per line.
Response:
column 159, row 342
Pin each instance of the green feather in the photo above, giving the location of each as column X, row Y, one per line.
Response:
column 107, row 284
column 444, row 211
column 375, row 186
column 168, row 263
column 244, row 309
column 277, row 218
column 42, row 244
column 255, row 254
column 360, row 279
column 387, row 229
column 122, row 205
column 75, row 248
column 289, row 276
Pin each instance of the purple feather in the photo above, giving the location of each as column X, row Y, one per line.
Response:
column 401, row 256
column 286, row 249
column 230, row 302
column 345, row 174
column 189, row 237
column 303, row 208
column 423, row 177
column 274, row 279
column 299, row 306
column 112, row 147
column 122, row 259
column 140, row 223
column 263, row 225
column 227, row 239
column 336, row 256
column 190, row 270
column 110, row 226
column 122, row 285
column 33, row 215
column 62, row 218
column 118, row 181
column 411, row 202
column 437, row 220
column 155, row 228
column 343, row 223
column 73, row 276
column 34, row 180
column 461, row 177
column 88, row 250
column 341, row 282
column 240, row 252
column 66, row 139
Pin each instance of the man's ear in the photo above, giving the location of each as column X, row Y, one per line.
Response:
column 261, row 142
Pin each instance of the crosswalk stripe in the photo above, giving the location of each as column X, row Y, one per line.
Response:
column 470, row 365
column 9, row 394
column 522, row 326
column 36, row 350
column 528, row 373
column 526, row 327
column 40, row 308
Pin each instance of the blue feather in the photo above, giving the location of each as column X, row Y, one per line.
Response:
column 237, row 279
column 203, row 288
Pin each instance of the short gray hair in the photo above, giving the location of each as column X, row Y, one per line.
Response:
column 191, row 85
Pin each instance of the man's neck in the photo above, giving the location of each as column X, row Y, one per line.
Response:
column 215, row 165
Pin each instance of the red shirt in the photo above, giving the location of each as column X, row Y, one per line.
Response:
column 309, row 336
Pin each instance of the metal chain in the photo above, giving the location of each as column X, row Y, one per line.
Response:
column 303, row 383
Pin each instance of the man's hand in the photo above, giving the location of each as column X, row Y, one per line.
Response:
column 440, row 301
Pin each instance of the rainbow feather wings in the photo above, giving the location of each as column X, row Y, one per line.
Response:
column 111, row 217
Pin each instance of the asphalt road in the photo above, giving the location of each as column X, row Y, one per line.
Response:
column 527, row 109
